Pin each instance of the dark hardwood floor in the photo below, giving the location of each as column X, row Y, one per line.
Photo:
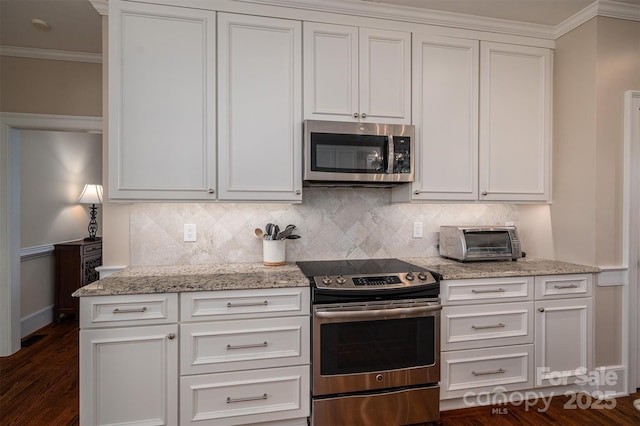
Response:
column 39, row 386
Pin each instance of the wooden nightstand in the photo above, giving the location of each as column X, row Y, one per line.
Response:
column 76, row 263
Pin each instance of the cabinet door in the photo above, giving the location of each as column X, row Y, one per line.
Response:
column 161, row 102
column 260, row 119
column 515, row 122
column 385, row 76
column 129, row 375
column 563, row 340
column 330, row 72
column 445, row 112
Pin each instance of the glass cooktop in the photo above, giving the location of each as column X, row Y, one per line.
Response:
column 356, row 267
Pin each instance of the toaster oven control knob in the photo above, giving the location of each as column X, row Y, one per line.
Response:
column 327, row 280
column 422, row 276
column 410, row 276
column 341, row 279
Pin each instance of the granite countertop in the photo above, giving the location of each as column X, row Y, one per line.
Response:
column 182, row 278
column 452, row 270
column 239, row 276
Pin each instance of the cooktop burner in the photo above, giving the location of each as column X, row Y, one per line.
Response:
column 371, row 278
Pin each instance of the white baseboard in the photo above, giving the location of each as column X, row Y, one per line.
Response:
column 35, row 321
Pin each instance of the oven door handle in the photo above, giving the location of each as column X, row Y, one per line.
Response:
column 375, row 313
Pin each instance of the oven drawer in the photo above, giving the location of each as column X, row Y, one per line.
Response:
column 563, row 286
column 219, row 346
column 479, row 326
column 486, row 370
column 236, row 304
column 396, row 407
column 244, row 397
column 486, row 290
column 128, row 310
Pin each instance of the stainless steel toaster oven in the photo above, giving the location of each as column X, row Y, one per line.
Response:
column 480, row 243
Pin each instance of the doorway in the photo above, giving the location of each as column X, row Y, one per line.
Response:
column 10, row 126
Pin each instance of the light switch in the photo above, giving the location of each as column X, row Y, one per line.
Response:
column 189, row 232
column 417, row 229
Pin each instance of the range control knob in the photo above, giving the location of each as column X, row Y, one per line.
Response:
column 341, row 279
column 327, row 280
column 410, row 276
column 422, row 276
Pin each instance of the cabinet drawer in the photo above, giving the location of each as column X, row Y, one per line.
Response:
column 478, row 326
column 121, row 311
column 486, row 370
column 244, row 397
column 232, row 304
column 220, row 346
column 486, row 290
column 92, row 249
column 562, row 286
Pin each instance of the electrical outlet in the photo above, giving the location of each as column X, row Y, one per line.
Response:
column 417, row 230
column 189, row 232
column 509, row 224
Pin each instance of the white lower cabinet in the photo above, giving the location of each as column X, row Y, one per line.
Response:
column 244, row 357
column 129, row 374
column 492, row 344
column 232, row 358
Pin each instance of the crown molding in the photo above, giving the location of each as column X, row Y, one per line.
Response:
column 606, row 8
column 370, row 9
column 54, row 55
column 101, row 6
column 416, row 15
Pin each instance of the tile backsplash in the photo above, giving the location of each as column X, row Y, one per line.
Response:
column 334, row 223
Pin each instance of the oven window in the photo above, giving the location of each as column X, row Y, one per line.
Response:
column 341, row 153
column 488, row 242
column 363, row 346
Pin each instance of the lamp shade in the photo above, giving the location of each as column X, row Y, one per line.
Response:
column 91, row 194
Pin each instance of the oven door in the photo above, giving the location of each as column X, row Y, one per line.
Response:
column 375, row 345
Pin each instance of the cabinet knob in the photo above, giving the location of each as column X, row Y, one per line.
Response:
column 364, row 115
column 355, row 115
column 298, row 192
column 540, row 309
column 211, row 191
column 171, row 336
column 485, row 193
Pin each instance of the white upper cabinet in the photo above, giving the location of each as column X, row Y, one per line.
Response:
column 483, row 127
column 356, row 74
column 445, row 112
column 260, row 111
column 515, row 122
column 161, row 102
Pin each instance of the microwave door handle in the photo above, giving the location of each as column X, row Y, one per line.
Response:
column 391, row 156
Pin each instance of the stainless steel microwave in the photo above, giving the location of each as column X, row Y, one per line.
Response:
column 358, row 153
column 480, row 243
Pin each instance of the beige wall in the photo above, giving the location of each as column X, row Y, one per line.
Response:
column 41, row 86
column 37, row 284
column 594, row 65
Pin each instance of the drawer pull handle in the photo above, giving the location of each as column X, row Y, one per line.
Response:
column 491, row 290
column 129, row 311
column 561, row 287
column 484, row 373
column 250, row 398
column 254, row 345
column 244, row 305
column 482, row 327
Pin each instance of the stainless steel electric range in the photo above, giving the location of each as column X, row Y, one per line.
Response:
column 375, row 342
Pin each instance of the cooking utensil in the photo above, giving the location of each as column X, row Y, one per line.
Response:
column 276, row 231
column 287, row 231
column 293, row 237
column 268, row 230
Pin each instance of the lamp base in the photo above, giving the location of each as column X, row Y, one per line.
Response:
column 93, row 239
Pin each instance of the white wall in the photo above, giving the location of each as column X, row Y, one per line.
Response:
column 54, row 167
